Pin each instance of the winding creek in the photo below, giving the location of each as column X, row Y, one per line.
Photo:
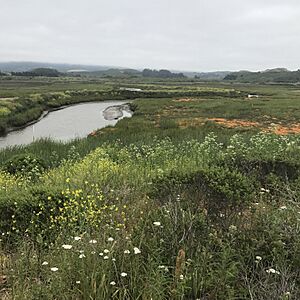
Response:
column 69, row 123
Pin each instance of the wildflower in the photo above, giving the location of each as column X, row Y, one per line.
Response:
column 105, row 257
column 67, row 247
column 106, row 251
column 77, row 238
column 93, row 252
column 54, row 269
column 156, row 223
column 45, row 263
column 163, row 268
column 93, row 242
column 112, row 283
column 110, row 239
column 136, row 250
column 78, row 281
column 123, row 274
column 113, row 259
column 273, row 271
column 81, row 255
column 283, row 207
column 258, row 258
column 126, row 251
column 181, row 277
column 101, row 254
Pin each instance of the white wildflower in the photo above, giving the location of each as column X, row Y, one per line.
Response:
column 45, row 263
column 77, row 238
column 136, row 250
column 110, row 239
column 126, row 251
column 273, row 271
column 123, row 274
column 54, row 269
column 112, row 283
column 156, row 223
column 165, row 268
column 105, row 257
column 81, row 255
column 67, row 247
column 106, row 251
column 93, row 241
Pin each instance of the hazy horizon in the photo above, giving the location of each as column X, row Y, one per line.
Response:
column 141, row 68
column 197, row 35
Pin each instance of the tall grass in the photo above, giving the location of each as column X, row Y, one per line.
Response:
column 157, row 221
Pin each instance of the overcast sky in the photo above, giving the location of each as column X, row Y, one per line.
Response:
column 200, row 35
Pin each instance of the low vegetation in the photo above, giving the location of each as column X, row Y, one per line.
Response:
column 170, row 204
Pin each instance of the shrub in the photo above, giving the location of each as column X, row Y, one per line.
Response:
column 262, row 168
column 219, row 189
column 26, row 165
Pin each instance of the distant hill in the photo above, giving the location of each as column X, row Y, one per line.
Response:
column 278, row 75
column 107, row 73
column 28, row 66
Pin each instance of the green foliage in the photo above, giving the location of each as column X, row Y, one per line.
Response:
column 26, row 165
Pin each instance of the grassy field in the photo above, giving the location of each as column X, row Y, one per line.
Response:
column 194, row 197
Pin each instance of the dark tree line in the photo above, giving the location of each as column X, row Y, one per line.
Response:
column 47, row 72
column 161, row 74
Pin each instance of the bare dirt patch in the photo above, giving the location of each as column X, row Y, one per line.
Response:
column 283, row 130
column 235, row 123
column 184, row 100
column 191, row 122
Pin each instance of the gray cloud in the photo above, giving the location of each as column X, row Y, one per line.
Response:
column 199, row 35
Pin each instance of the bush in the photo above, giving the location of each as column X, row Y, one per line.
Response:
column 262, row 168
column 219, row 189
column 26, row 165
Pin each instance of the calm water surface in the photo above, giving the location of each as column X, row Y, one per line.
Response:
column 75, row 121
